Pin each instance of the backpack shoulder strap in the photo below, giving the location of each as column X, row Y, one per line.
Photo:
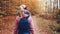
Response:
column 27, row 17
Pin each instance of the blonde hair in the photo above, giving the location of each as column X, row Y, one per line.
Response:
column 22, row 6
column 22, row 9
column 21, row 12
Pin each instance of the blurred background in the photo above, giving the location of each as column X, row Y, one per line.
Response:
column 45, row 13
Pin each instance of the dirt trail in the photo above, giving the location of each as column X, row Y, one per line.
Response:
column 40, row 25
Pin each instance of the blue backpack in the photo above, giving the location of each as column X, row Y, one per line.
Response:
column 24, row 24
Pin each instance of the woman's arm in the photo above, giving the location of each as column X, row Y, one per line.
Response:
column 16, row 24
column 31, row 25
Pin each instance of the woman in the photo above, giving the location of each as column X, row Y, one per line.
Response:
column 24, row 22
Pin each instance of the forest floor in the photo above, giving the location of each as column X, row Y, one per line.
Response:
column 41, row 25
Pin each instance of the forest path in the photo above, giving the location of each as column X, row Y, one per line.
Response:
column 41, row 25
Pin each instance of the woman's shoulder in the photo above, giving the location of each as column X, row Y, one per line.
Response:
column 17, row 18
column 30, row 18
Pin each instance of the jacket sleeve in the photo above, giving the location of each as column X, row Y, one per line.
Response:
column 16, row 24
column 31, row 25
